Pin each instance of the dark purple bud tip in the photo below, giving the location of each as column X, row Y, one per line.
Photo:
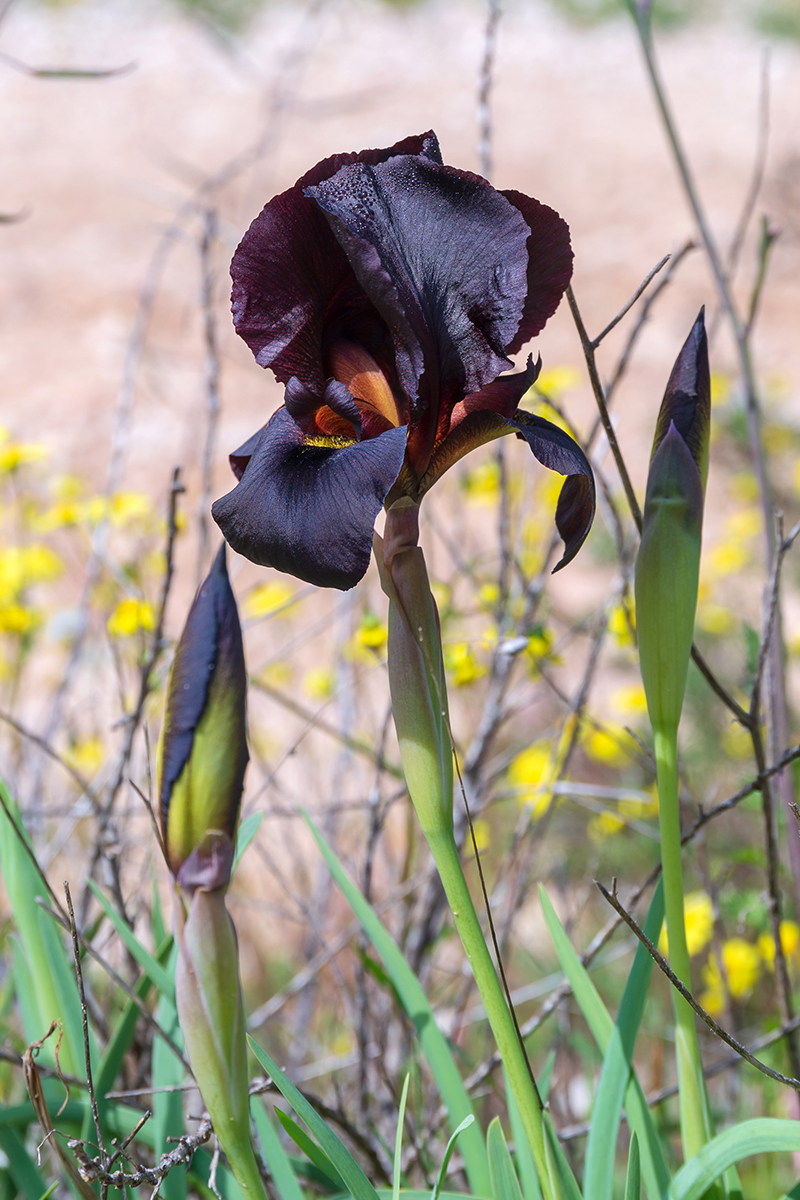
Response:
column 687, row 400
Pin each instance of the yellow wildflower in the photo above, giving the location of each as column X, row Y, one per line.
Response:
column 605, row 825
column 14, row 455
column 267, row 598
column 630, row 700
column 86, row 756
column 368, row 641
column 482, row 483
column 713, row 998
column 482, row 831
column 462, row 665
column 746, row 523
column 736, row 741
column 742, row 962
column 744, row 486
column 790, row 938
column 23, row 566
column 529, row 773
column 277, row 674
column 128, row 506
column 319, row 683
column 622, row 621
column 548, row 489
column 715, row 619
column 726, row 558
column 130, row 616
column 611, row 745
column 555, row 381
column 698, row 918
column 720, row 388
column 18, row 619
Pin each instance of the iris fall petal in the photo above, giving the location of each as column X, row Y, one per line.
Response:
column 310, row 509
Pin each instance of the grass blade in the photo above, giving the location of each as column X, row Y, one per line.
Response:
column 272, row 1152
column 526, row 1168
column 448, row 1154
column 415, row 1003
column 168, row 1071
column 602, row 1141
column 398, row 1141
column 632, row 1179
column 312, row 1151
column 354, row 1178
column 505, row 1185
column 653, row 1165
column 160, row 977
column 760, row 1136
column 21, row 1167
column 247, row 831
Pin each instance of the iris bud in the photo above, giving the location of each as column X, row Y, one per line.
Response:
column 203, row 751
column 668, row 563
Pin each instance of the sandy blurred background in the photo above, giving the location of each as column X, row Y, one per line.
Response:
column 104, row 364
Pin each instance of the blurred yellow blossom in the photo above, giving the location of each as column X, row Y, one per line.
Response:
column 23, row 566
column 747, row 523
column 130, row 616
column 713, row 998
column 86, row 756
column 622, row 621
column 461, row 664
column 720, row 387
column 482, row 483
column 489, row 595
column 482, row 832
column 319, row 683
column 611, row 745
column 129, row 506
column 629, row 700
column 605, row 825
column 736, row 741
column 368, row 641
column 742, row 962
column 267, row 598
column 715, row 619
column 19, row 619
column 727, row 558
column 17, row 454
column 698, row 917
column 555, row 381
column 548, row 489
column 57, row 516
column 790, row 939
column 744, row 486
column 278, row 674
column 528, row 775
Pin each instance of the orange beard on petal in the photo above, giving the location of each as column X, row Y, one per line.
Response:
column 366, row 382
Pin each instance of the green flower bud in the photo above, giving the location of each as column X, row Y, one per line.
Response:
column 668, row 563
column 203, row 750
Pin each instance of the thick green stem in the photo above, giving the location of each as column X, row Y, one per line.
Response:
column 448, row 863
column 696, row 1127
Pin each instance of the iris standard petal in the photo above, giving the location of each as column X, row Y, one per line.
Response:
column 549, row 266
column 309, row 509
column 557, row 450
column 443, row 256
column 290, row 272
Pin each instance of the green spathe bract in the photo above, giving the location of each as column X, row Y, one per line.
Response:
column 667, row 574
column 211, row 1014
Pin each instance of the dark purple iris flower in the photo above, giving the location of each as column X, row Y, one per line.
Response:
column 386, row 291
